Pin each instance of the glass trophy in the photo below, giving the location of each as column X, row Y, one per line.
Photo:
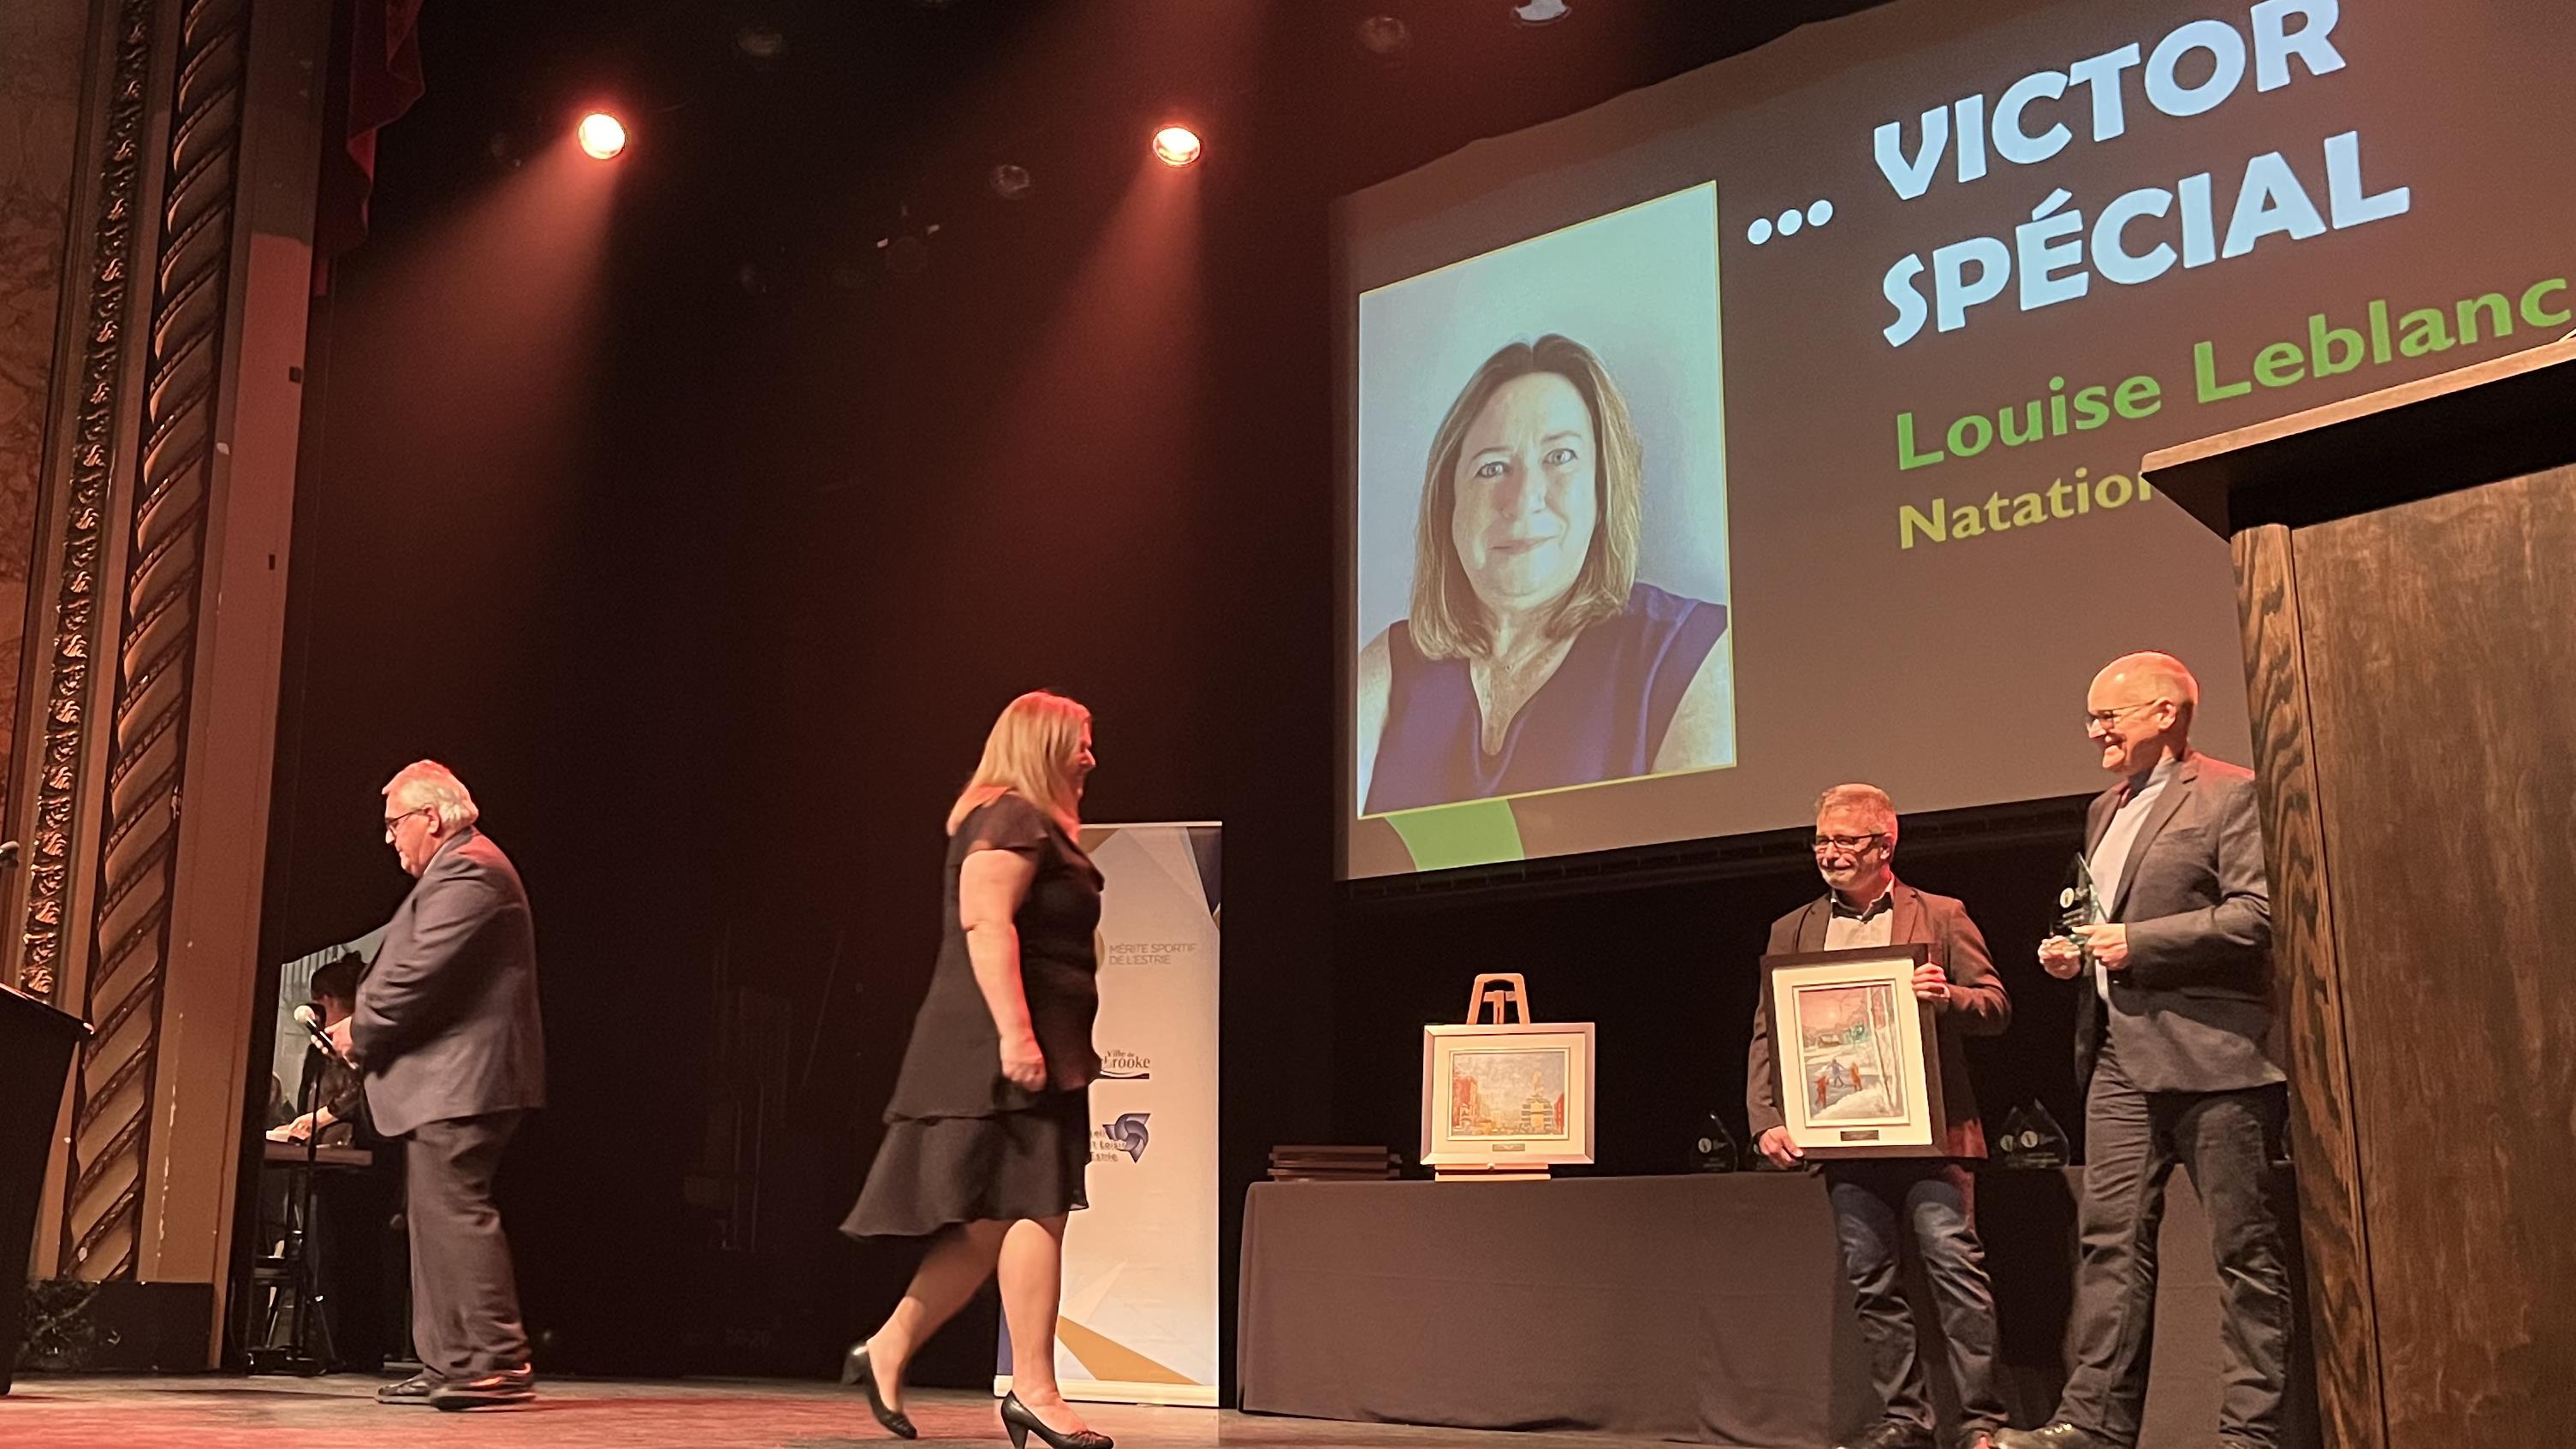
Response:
column 1713, row 1150
column 2032, row 1139
column 2078, row 904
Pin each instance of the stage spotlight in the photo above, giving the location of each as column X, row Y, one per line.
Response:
column 906, row 255
column 602, row 136
column 1384, row 36
column 760, row 44
column 1177, row 145
column 1010, row 182
column 906, row 249
column 1538, row 12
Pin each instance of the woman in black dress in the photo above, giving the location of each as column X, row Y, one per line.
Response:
column 989, row 1130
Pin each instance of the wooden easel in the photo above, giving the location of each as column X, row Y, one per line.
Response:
column 1506, row 995
column 1509, row 994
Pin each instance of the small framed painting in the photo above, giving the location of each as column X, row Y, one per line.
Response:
column 1854, row 1051
column 1508, row 1100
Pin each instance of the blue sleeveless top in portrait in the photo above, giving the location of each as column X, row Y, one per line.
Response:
column 1601, row 716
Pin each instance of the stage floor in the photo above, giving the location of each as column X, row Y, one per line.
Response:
column 214, row 1412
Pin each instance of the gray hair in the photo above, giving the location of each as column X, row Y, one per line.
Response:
column 429, row 785
column 1869, row 800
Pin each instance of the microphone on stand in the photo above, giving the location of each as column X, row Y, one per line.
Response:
column 311, row 1020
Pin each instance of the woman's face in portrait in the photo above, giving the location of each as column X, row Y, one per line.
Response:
column 1526, row 494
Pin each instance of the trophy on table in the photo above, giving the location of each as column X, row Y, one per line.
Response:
column 2033, row 1140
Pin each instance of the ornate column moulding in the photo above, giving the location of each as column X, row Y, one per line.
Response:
column 83, row 495
column 156, row 645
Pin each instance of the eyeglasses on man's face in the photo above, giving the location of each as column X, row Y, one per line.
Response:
column 2103, row 719
column 393, row 820
column 1847, row 844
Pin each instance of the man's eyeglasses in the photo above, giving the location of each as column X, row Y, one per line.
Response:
column 2103, row 719
column 1850, row 844
column 393, row 820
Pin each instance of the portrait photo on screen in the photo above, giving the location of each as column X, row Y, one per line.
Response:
column 1541, row 549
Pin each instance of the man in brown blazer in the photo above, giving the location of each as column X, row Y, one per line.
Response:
column 1878, row 1202
column 448, row 1037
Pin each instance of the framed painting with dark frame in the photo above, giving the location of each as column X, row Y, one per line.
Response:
column 1855, row 1052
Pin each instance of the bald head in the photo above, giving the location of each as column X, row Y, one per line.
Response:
column 2150, row 675
column 2139, row 711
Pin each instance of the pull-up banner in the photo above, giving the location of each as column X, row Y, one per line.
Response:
column 1139, row 1319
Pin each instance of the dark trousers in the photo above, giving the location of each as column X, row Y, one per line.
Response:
column 1877, row 1206
column 464, row 1298
column 2225, row 1140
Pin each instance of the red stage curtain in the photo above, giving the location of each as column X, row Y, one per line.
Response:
column 375, row 77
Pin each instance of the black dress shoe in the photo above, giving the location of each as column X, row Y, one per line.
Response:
column 856, row 1370
column 1019, row 1422
column 2060, row 1435
column 1891, row 1434
column 509, row 1386
column 413, row 1390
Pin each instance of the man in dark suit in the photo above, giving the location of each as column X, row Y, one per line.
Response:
column 448, row 1036
column 1879, row 1202
column 2173, row 1007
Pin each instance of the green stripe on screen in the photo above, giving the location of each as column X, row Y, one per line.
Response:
column 1471, row 832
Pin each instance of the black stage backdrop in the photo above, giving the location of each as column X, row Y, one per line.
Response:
column 704, row 539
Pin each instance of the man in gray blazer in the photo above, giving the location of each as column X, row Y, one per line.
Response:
column 448, row 1037
column 2172, row 1013
column 1879, row 1203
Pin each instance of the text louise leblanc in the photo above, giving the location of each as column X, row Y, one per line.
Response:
column 2328, row 348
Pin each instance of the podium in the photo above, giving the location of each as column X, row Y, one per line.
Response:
column 2406, row 582
column 36, row 1046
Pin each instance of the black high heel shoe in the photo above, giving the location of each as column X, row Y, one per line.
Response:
column 855, row 1370
column 1019, row 1422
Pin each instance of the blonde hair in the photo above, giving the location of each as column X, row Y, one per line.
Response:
column 1030, row 754
column 429, row 785
column 1448, row 621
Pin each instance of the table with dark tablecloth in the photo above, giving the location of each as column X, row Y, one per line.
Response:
column 1708, row 1308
